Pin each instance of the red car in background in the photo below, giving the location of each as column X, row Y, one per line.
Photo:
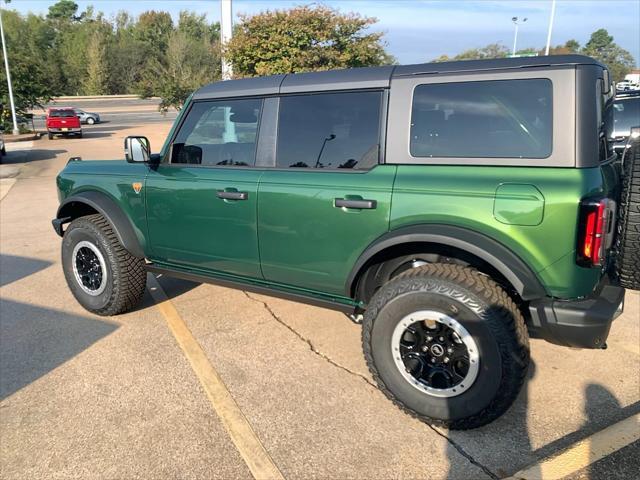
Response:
column 63, row 121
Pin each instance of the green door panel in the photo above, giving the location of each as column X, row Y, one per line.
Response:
column 518, row 204
column 305, row 240
column 190, row 226
column 466, row 196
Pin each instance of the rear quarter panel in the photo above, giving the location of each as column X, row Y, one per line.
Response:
column 464, row 196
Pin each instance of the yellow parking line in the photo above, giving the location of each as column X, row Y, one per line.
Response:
column 585, row 452
column 244, row 438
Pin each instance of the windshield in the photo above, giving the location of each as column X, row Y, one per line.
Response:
column 626, row 114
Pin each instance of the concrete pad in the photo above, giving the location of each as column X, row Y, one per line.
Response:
column 83, row 396
column 315, row 418
column 5, row 185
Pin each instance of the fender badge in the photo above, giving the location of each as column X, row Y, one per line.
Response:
column 137, row 186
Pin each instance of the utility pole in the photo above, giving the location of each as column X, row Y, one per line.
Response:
column 515, row 37
column 553, row 14
column 226, row 31
column 6, row 67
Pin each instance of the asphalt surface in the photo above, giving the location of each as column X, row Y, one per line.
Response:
column 112, row 112
column 83, row 396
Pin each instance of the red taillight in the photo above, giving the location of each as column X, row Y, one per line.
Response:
column 592, row 230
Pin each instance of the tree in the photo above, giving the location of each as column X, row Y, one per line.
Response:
column 97, row 80
column 190, row 63
column 493, row 50
column 29, row 74
column 303, row 39
column 64, row 11
column 602, row 47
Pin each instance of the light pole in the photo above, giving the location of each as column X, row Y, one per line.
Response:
column 553, row 14
column 6, row 67
column 226, row 31
column 517, row 23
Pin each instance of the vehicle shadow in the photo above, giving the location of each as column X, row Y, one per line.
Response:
column 13, row 268
column 173, row 287
column 36, row 340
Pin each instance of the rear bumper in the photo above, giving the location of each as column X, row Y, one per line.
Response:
column 68, row 130
column 583, row 323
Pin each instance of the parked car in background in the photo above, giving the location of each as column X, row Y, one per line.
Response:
column 87, row 117
column 626, row 85
column 63, row 121
column 626, row 114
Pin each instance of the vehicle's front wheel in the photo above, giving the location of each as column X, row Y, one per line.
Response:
column 90, row 121
column 101, row 274
column 446, row 344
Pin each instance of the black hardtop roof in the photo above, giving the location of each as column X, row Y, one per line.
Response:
column 373, row 77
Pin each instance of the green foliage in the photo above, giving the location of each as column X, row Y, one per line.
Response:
column 602, row 47
column 64, row 10
column 302, row 39
column 69, row 53
column 493, row 50
column 31, row 86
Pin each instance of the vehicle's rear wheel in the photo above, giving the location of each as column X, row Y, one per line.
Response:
column 51, row 136
column 102, row 275
column 90, row 121
column 447, row 345
column 628, row 239
column 80, row 135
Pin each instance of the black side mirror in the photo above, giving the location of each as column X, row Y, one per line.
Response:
column 137, row 149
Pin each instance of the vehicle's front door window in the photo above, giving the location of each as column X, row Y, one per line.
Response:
column 219, row 133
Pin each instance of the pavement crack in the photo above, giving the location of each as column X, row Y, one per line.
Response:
column 455, row 445
column 310, row 343
column 466, row 455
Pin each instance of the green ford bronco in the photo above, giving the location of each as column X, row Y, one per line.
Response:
column 456, row 209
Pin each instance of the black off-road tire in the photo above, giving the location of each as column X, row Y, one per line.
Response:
column 489, row 315
column 126, row 275
column 628, row 239
column 51, row 136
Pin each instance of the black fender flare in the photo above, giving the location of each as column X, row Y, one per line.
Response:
column 500, row 257
column 109, row 209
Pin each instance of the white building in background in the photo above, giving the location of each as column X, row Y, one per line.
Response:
column 633, row 77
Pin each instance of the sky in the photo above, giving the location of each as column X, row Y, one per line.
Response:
column 420, row 30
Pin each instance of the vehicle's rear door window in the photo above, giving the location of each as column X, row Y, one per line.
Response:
column 329, row 130
column 484, row 119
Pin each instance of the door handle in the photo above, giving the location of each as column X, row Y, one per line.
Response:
column 360, row 204
column 232, row 195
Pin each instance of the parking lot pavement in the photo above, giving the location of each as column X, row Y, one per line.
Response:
column 94, row 397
